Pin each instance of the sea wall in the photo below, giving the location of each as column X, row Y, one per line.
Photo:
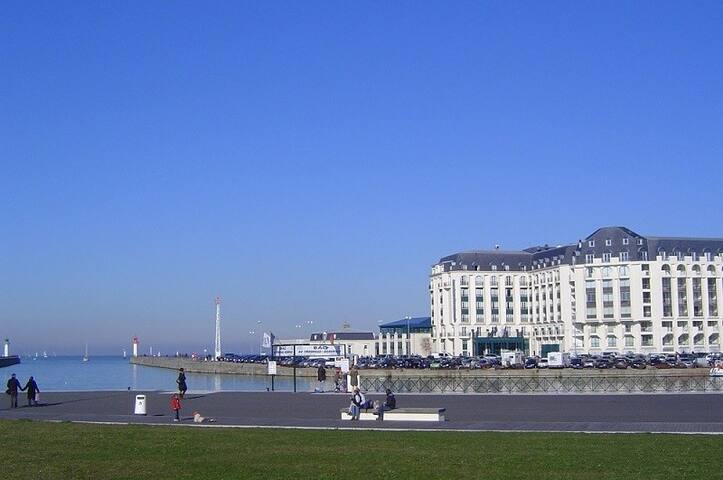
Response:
column 198, row 366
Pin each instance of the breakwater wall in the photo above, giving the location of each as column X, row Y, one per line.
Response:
column 227, row 368
column 224, row 368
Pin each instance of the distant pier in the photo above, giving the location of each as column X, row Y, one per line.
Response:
column 10, row 360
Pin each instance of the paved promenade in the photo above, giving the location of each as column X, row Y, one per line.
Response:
column 687, row 413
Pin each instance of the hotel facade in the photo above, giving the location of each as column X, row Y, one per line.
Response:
column 614, row 291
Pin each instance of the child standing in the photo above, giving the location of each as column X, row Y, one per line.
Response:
column 176, row 407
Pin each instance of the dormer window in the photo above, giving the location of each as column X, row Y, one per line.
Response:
column 608, row 242
column 626, row 240
column 591, row 243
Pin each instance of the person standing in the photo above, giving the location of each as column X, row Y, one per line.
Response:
column 321, row 377
column 176, row 407
column 33, row 391
column 356, row 404
column 13, row 389
column 181, row 381
column 337, row 379
column 354, row 377
column 390, row 403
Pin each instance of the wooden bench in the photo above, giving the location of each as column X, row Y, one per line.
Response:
column 401, row 414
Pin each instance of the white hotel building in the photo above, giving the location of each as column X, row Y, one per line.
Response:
column 613, row 291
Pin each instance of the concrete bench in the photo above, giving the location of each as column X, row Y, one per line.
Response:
column 402, row 414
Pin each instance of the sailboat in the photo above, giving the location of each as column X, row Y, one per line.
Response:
column 85, row 357
column 124, row 353
column 45, row 354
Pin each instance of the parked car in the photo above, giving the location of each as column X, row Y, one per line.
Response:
column 542, row 363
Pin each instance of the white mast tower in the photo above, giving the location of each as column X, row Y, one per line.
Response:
column 217, row 349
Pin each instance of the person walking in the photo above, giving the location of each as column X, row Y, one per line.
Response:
column 33, row 392
column 181, row 381
column 13, row 389
column 321, row 377
column 176, row 407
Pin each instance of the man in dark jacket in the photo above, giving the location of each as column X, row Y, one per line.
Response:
column 390, row 403
column 33, row 390
column 13, row 388
column 321, row 377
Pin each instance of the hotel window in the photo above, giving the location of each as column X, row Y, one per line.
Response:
column 494, row 268
column 647, row 311
column 644, row 255
column 608, row 242
column 682, row 298
column 508, row 280
column 694, row 256
column 589, row 257
column 646, row 283
column 606, row 272
column 640, row 241
column 589, row 272
column 507, row 268
column 624, row 256
column 612, row 341
column 667, row 298
column 606, row 257
column 629, row 341
column 590, row 297
column 493, row 280
column 623, row 271
column 625, row 298
column 626, row 241
column 607, row 297
column 697, row 298
column 594, row 342
column 712, row 298
column 708, row 256
column 662, row 254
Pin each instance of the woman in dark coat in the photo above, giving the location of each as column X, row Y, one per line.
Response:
column 181, row 381
column 33, row 390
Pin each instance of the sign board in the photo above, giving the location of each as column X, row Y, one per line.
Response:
column 307, row 350
column 267, row 340
column 344, row 365
column 272, row 367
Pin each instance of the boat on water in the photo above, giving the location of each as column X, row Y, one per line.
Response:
column 85, row 357
column 9, row 360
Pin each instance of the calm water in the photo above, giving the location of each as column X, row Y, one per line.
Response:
column 115, row 373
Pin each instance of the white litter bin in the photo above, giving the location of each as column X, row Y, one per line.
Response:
column 140, row 405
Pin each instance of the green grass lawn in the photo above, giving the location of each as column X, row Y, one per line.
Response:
column 67, row 451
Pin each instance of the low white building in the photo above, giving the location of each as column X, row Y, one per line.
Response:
column 613, row 291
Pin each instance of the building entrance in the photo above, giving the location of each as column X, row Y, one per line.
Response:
column 495, row 345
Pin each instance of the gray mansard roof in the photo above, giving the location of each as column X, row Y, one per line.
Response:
column 620, row 239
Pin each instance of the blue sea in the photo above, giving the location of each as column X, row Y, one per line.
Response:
column 116, row 373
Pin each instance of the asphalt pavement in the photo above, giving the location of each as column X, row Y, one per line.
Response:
column 684, row 413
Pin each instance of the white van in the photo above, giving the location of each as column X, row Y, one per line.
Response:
column 558, row 360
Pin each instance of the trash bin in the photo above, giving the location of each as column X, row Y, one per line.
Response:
column 140, row 405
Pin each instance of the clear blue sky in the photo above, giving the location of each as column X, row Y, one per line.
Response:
column 311, row 160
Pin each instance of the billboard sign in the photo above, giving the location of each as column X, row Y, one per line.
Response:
column 308, row 350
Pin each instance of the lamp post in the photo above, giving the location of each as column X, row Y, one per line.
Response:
column 252, row 334
column 261, row 338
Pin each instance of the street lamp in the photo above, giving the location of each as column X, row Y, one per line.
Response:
column 261, row 340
